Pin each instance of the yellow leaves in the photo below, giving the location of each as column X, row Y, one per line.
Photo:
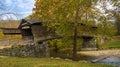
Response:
column 56, row 1
column 62, row 10
column 71, row 1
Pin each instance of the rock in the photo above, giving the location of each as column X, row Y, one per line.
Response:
column 52, row 57
column 83, row 61
column 98, row 59
column 57, row 58
column 68, row 59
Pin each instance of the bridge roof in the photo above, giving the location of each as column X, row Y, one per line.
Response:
column 25, row 22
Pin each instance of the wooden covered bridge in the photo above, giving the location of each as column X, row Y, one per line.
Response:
column 32, row 31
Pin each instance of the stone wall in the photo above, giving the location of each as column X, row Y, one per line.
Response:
column 28, row 50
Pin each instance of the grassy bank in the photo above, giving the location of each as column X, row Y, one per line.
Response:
column 43, row 62
column 113, row 44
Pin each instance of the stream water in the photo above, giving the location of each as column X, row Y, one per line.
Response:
column 112, row 60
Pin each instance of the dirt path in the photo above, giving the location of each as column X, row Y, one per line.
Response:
column 113, row 52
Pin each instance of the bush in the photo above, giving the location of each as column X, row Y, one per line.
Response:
column 63, row 53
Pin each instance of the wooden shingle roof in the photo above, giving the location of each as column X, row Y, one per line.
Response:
column 25, row 22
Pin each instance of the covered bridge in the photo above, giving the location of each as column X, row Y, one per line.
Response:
column 88, row 36
column 11, row 31
column 34, row 31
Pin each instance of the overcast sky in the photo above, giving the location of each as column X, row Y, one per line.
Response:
column 21, row 7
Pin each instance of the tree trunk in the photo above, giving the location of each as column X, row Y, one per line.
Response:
column 118, row 27
column 75, row 44
column 75, row 35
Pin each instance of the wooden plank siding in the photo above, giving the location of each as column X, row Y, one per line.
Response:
column 11, row 31
column 38, row 32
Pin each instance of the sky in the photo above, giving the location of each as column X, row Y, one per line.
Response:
column 21, row 8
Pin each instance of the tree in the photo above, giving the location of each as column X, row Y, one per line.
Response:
column 117, row 23
column 116, row 14
column 65, row 15
column 107, row 14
